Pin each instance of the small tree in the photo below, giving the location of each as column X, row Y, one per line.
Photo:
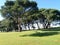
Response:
column 49, row 15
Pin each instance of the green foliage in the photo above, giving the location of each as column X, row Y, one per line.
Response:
column 25, row 11
column 49, row 15
column 16, row 10
column 5, row 25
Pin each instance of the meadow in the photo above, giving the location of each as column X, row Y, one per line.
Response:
column 30, row 38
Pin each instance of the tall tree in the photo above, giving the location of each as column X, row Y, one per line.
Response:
column 16, row 9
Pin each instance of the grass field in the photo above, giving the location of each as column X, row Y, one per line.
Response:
column 30, row 38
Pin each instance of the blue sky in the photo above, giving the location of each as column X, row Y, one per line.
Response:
column 1, row 3
column 55, row 4
column 48, row 4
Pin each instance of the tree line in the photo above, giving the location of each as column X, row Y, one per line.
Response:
column 23, row 12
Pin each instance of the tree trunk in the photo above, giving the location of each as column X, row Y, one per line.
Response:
column 33, row 26
column 25, row 26
column 28, row 26
column 46, row 25
column 19, row 24
column 37, row 25
column 19, row 30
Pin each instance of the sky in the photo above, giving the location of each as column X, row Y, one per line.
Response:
column 1, row 3
column 54, row 4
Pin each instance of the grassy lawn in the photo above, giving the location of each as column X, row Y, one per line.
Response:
column 30, row 38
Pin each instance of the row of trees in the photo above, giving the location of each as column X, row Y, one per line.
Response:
column 22, row 12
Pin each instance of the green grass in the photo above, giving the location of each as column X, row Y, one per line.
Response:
column 30, row 38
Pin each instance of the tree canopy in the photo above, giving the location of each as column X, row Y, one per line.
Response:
column 20, row 12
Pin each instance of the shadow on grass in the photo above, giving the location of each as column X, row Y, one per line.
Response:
column 52, row 29
column 38, row 34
